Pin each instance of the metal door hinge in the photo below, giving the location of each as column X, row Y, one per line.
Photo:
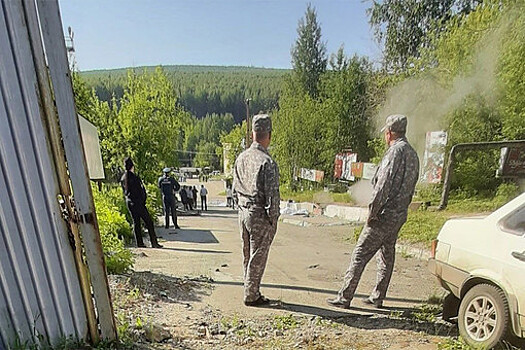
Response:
column 70, row 217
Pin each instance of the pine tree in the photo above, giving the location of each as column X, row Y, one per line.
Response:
column 309, row 57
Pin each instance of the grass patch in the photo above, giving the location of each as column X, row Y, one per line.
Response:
column 457, row 343
column 454, row 344
column 284, row 322
column 316, row 196
column 473, row 205
column 302, row 196
column 342, row 198
column 427, row 313
column 422, row 226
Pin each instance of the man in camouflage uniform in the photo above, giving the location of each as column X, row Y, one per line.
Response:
column 256, row 192
column 394, row 184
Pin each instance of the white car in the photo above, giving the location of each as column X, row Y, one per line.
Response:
column 481, row 261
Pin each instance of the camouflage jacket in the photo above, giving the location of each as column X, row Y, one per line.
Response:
column 394, row 183
column 256, row 181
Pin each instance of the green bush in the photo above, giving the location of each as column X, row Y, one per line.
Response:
column 154, row 202
column 339, row 188
column 114, row 229
column 506, row 192
column 428, row 193
column 378, row 147
column 454, row 344
column 112, row 197
column 297, row 196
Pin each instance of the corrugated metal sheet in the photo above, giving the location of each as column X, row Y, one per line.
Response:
column 40, row 297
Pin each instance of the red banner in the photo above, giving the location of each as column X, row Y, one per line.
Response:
column 357, row 170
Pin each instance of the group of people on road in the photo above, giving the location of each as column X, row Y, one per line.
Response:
column 188, row 197
column 135, row 197
column 255, row 192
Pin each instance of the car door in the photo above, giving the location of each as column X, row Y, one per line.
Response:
column 512, row 231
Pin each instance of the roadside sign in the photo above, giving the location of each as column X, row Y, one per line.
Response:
column 512, row 162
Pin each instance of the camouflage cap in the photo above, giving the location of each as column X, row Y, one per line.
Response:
column 396, row 123
column 262, row 123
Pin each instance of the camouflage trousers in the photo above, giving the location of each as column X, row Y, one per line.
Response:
column 257, row 233
column 376, row 236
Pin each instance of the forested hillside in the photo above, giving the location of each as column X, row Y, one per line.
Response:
column 203, row 90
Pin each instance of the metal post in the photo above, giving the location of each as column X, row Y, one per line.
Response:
column 53, row 130
column 448, row 177
column 87, row 220
column 469, row 147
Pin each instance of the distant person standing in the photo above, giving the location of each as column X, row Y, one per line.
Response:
column 256, row 190
column 184, row 197
column 394, row 184
column 229, row 197
column 189, row 194
column 169, row 186
column 204, row 194
column 194, row 192
column 135, row 195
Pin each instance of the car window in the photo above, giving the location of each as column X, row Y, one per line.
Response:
column 514, row 222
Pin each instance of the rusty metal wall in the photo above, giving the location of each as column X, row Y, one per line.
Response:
column 40, row 296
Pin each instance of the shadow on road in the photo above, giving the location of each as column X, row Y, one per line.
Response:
column 222, row 213
column 376, row 319
column 362, row 316
column 189, row 236
column 169, row 288
column 317, row 290
column 206, row 251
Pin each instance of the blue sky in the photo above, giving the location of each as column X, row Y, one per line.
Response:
column 260, row 33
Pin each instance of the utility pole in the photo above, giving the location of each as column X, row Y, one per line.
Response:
column 248, row 133
column 70, row 48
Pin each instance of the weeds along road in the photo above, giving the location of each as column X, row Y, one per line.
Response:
column 305, row 267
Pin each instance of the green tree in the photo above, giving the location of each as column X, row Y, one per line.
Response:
column 234, row 142
column 479, row 59
column 207, row 131
column 309, row 132
column 206, row 156
column 404, row 27
column 152, row 123
column 309, row 53
column 511, row 74
column 104, row 117
column 346, row 91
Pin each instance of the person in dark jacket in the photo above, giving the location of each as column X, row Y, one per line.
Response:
column 194, row 192
column 168, row 186
column 184, row 197
column 135, row 195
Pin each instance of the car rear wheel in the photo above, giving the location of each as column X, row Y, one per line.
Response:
column 483, row 316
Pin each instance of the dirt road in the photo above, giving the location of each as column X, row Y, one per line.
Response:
column 306, row 264
column 305, row 267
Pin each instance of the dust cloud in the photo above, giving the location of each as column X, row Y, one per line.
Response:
column 361, row 192
column 426, row 101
